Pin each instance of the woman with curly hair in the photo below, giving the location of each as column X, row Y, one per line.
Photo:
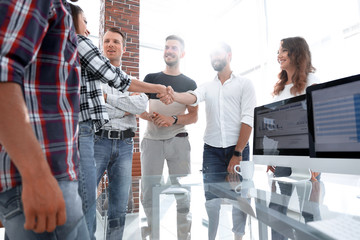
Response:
column 297, row 71
column 296, row 74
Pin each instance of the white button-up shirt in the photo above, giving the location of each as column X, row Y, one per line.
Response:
column 227, row 107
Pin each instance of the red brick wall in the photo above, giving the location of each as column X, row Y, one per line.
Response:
column 125, row 15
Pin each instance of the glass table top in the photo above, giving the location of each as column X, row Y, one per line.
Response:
column 223, row 206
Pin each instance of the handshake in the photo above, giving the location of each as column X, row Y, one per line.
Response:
column 167, row 95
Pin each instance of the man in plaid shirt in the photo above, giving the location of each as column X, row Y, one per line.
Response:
column 39, row 105
column 114, row 142
column 96, row 69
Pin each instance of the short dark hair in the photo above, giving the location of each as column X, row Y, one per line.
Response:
column 177, row 38
column 117, row 30
column 75, row 11
column 224, row 46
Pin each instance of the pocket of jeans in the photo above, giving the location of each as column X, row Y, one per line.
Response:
column 246, row 153
column 85, row 130
column 142, row 144
column 96, row 138
column 206, row 146
column 13, row 206
column 129, row 141
column 188, row 144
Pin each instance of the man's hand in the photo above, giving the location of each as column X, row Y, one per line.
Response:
column 314, row 175
column 162, row 120
column 170, row 91
column 233, row 179
column 147, row 116
column 270, row 168
column 233, row 161
column 105, row 96
column 166, row 97
column 43, row 203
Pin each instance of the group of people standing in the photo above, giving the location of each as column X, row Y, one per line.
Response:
column 61, row 98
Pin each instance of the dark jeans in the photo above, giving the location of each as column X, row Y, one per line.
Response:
column 215, row 164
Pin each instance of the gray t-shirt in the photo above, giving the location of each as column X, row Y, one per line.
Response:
column 179, row 83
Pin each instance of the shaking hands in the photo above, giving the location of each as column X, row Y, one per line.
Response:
column 166, row 96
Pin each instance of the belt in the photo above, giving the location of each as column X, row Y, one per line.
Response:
column 114, row 134
column 184, row 134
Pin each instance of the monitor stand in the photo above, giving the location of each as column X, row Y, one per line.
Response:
column 297, row 175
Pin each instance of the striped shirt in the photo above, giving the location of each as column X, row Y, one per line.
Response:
column 118, row 104
column 38, row 52
column 95, row 68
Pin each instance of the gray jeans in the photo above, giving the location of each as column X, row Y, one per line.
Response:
column 176, row 152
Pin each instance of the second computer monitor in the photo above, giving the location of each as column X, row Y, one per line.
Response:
column 334, row 125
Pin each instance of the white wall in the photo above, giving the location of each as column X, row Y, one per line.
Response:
column 254, row 29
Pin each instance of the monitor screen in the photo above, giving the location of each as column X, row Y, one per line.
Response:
column 281, row 128
column 334, row 118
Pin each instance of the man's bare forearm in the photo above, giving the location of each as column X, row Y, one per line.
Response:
column 244, row 136
column 184, row 98
column 189, row 118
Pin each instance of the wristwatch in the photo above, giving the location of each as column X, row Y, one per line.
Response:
column 237, row 154
column 175, row 118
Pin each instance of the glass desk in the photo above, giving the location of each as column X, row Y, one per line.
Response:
column 178, row 209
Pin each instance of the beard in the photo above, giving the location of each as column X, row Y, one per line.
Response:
column 169, row 62
column 218, row 65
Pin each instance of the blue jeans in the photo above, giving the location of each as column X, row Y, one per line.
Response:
column 215, row 163
column 115, row 156
column 12, row 216
column 87, row 175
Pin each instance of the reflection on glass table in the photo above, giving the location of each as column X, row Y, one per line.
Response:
column 259, row 208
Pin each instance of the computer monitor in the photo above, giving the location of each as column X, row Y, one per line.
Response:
column 281, row 136
column 334, row 125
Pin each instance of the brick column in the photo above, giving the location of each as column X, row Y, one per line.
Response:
column 125, row 15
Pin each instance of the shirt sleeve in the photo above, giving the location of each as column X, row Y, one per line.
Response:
column 23, row 26
column 193, row 85
column 135, row 104
column 248, row 103
column 312, row 79
column 148, row 78
column 93, row 61
column 199, row 93
column 114, row 112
